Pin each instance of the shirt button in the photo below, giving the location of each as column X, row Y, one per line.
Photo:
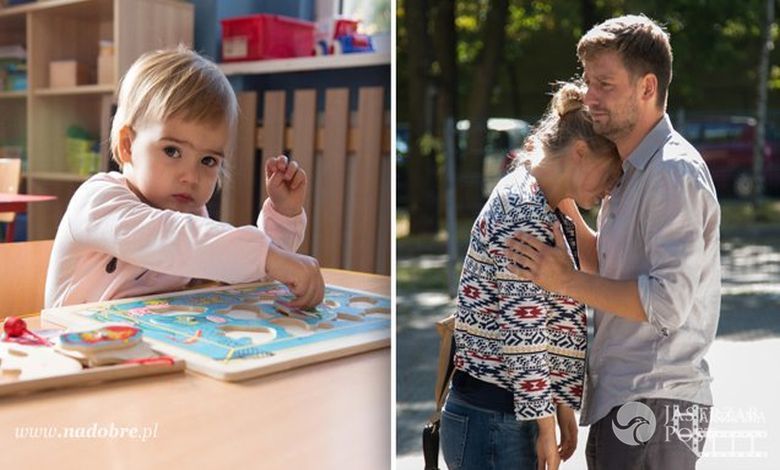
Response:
column 612, row 215
column 665, row 331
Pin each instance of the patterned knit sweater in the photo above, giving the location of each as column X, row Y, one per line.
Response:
column 513, row 333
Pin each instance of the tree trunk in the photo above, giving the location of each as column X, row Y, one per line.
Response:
column 514, row 88
column 422, row 174
column 445, row 40
column 485, row 71
column 761, row 102
column 589, row 15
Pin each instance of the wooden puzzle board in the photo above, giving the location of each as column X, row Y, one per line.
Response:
column 237, row 332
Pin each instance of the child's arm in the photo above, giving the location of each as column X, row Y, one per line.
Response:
column 105, row 216
column 287, row 232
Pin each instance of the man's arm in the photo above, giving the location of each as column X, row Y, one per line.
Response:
column 677, row 232
column 551, row 268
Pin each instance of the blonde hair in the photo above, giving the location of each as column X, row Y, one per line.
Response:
column 566, row 120
column 174, row 83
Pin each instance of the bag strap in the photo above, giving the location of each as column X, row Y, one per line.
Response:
column 444, row 390
column 446, row 368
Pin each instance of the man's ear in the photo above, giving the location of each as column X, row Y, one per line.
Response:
column 649, row 86
column 126, row 137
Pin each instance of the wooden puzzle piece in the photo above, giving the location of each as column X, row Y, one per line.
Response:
column 108, row 337
column 30, row 362
column 140, row 350
column 284, row 307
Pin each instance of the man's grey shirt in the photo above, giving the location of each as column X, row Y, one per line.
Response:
column 661, row 227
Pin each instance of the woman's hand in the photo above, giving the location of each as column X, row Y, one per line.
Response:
column 567, row 424
column 547, row 455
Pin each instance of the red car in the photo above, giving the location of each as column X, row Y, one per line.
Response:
column 726, row 144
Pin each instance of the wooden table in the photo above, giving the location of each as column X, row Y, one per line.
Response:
column 18, row 203
column 332, row 415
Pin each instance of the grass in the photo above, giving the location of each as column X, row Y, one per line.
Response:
column 415, row 278
column 736, row 214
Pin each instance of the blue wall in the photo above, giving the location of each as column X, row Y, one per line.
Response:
column 208, row 13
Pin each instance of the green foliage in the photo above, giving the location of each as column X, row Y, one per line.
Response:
column 716, row 47
column 430, row 144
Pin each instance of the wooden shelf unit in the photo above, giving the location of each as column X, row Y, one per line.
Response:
column 41, row 115
column 305, row 64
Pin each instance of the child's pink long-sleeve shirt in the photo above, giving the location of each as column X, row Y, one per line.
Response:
column 155, row 250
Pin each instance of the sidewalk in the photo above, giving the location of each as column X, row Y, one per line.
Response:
column 745, row 427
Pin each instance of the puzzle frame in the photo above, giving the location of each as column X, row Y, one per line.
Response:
column 214, row 332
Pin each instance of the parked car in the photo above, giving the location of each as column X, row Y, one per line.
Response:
column 726, row 144
column 504, row 135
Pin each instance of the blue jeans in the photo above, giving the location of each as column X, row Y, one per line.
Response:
column 482, row 439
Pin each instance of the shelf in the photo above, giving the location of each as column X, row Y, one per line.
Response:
column 304, row 64
column 12, row 94
column 57, row 176
column 48, row 5
column 77, row 90
column 55, row 30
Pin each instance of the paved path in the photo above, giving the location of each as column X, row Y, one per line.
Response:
column 742, row 360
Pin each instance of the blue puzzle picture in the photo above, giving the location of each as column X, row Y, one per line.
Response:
column 237, row 332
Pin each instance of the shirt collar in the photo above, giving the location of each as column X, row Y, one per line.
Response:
column 648, row 147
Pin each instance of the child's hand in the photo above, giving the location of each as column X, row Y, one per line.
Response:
column 300, row 273
column 286, row 185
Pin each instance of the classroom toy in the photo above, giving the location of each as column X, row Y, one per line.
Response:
column 238, row 332
column 29, row 362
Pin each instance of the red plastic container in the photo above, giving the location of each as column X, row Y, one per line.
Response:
column 258, row 37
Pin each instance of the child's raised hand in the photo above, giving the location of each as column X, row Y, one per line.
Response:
column 285, row 182
column 300, row 273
